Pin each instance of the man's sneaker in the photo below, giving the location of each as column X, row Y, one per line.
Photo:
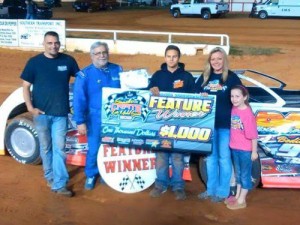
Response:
column 49, row 183
column 180, row 194
column 204, row 195
column 90, row 183
column 157, row 192
column 64, row 192
column 217, row 199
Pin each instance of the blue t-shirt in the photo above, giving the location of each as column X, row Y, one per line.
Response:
column 50, row 81
column 215, row 86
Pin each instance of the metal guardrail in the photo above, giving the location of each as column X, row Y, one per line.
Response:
column 223, row 38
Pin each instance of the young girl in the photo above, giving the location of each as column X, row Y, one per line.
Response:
column 243, row 143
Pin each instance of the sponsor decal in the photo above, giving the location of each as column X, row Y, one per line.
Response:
column 166, row 144
column 125, row 141
column 107, row 139
column 152, row 143
column 137, row 141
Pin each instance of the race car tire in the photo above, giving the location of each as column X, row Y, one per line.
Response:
column 256, row 173
column 22, row 142
column 255, row 176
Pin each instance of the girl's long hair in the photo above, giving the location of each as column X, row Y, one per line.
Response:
column 208, row 69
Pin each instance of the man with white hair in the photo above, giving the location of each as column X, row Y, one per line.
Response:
column 87, row 103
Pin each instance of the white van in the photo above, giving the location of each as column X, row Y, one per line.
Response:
column 281, row 8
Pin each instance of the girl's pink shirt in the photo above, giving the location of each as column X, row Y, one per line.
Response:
column 243, row 129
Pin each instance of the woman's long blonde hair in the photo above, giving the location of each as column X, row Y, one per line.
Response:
column 208, row 69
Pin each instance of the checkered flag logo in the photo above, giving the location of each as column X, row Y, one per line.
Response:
column 139, row 180
column 145, row 111
column 107, row 106
column 125, row 181
column 139, row 100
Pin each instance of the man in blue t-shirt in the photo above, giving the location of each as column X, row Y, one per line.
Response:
column 48, row 74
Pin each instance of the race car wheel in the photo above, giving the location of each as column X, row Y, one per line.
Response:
column 205, row 15
column 176, row 13
column 22, row 142
column 202, row 170
column 256, row 173
column 263, row 15
column 255, row 176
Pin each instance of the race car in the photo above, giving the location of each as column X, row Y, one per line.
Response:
column 277, row 113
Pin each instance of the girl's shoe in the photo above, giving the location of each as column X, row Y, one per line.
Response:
column 230, row 200
column 236, row 205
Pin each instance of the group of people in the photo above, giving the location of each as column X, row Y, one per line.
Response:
column 235, row 134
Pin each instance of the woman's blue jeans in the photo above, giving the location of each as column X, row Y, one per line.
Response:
column 219, row 165
column 52, row 132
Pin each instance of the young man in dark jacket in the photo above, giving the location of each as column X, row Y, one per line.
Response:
column 170, row 78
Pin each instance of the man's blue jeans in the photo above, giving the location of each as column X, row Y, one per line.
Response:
column 219, row 165
column 52, row 137
column 242, row 167
column 163, row 179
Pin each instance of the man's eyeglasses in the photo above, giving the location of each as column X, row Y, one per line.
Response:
column 100, row 53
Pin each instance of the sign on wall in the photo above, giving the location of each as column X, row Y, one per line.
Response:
column 30, row 33
column 171, row 121
column 8, row 33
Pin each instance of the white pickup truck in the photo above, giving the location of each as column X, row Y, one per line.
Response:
column 198, row 7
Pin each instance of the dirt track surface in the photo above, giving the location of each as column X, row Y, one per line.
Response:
column 25, row 197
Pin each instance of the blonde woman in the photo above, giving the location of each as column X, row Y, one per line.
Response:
column 218, row 80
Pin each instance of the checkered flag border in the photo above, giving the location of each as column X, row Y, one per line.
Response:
column 107, row 106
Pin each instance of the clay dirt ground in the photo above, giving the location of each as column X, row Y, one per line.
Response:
column 25, row 197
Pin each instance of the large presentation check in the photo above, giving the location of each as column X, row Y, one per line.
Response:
column 170, row 122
